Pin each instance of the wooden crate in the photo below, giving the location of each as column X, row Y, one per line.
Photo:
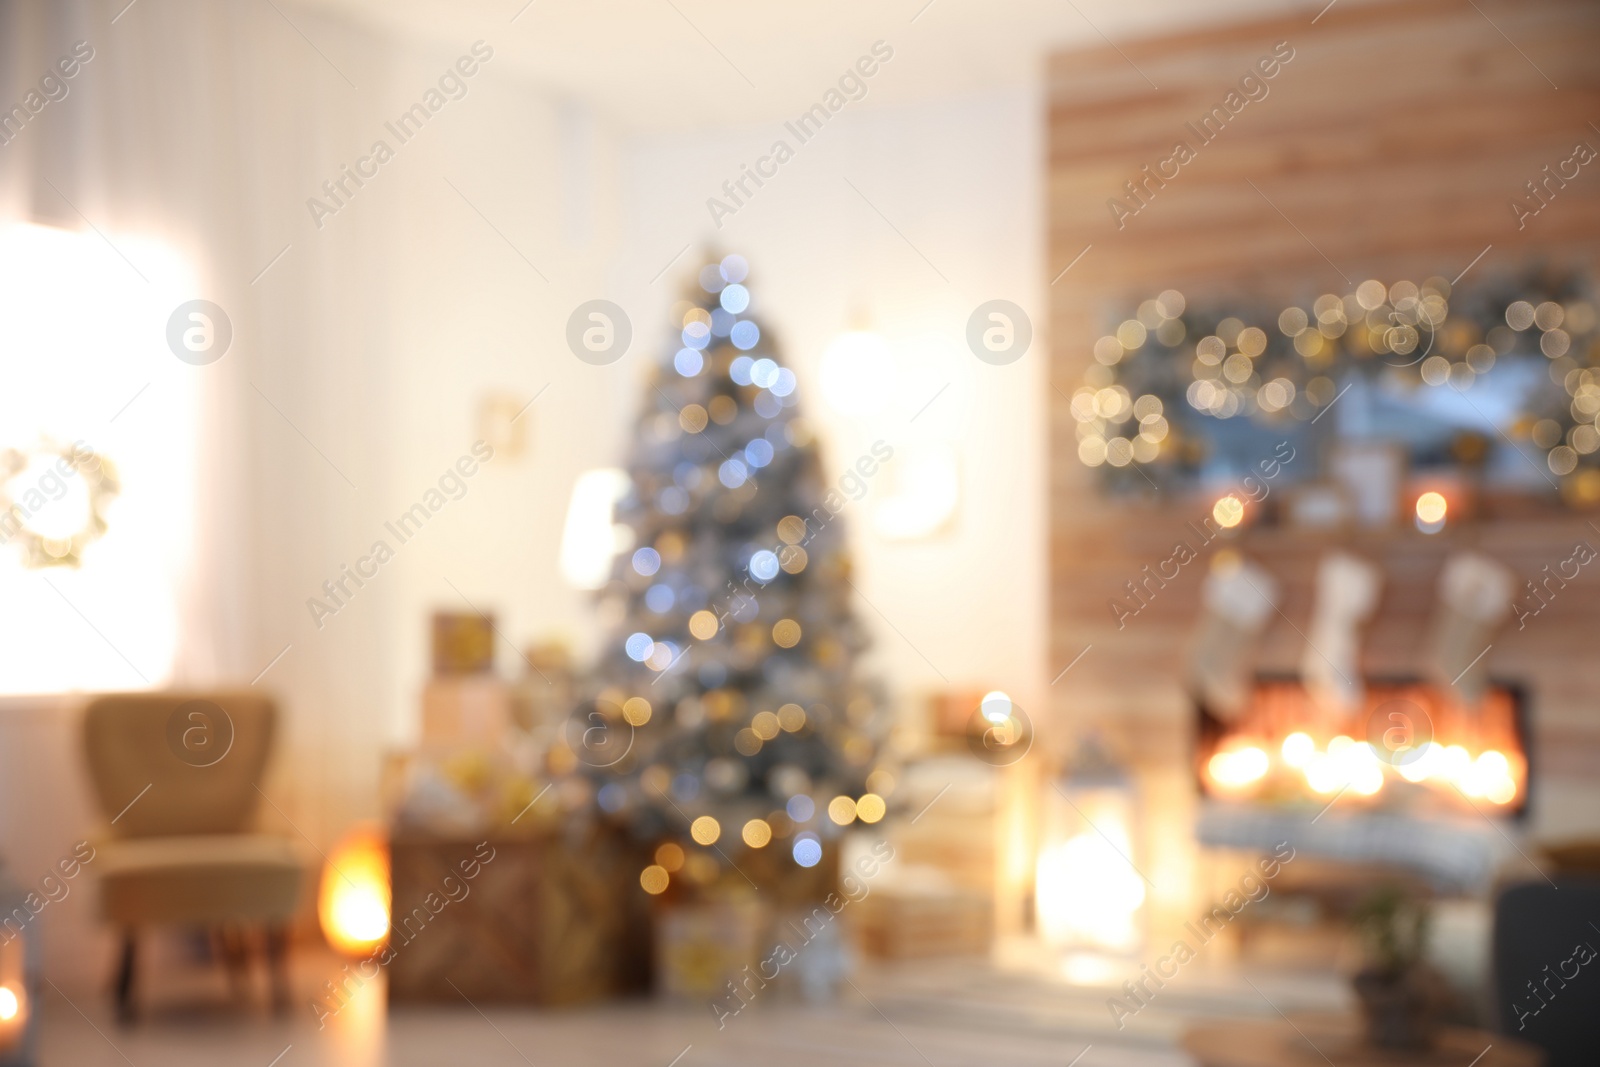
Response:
column 552, row 918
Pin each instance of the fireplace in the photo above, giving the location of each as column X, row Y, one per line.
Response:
column 1407, row 745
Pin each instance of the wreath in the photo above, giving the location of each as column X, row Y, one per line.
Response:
column 20, row 504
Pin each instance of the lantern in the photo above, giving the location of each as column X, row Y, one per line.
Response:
column 1087, row 890
column 19, row 978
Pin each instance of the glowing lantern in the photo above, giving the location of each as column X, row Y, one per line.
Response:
column 19, row 977
column 857, row 373
column 1087, row 891
column 590, row 538
column 353, row 901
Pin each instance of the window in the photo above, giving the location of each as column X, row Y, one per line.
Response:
column 83, row 360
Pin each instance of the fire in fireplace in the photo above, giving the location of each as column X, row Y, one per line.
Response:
column 1408, row 745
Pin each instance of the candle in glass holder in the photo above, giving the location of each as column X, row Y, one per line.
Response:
column 19, row 977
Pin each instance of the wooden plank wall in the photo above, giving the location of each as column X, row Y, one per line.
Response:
column 1389, row 146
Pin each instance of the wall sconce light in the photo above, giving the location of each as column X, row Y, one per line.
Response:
column 857, row 373
column 589, row 537
column 924, row 487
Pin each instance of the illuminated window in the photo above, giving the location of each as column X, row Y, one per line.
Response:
column 83, row 359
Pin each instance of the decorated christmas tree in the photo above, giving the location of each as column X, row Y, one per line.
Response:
column 727, row 715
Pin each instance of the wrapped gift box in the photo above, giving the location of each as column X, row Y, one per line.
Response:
column 701, row 947
column 552, row 918
column 466, row 710
column 462, row 644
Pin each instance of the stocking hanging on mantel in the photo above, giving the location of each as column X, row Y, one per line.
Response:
column 1474, row 600
column 1237, row 599
column 1347, row 592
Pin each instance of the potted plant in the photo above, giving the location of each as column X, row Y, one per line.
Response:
column 1401, row 996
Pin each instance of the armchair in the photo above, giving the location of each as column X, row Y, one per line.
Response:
column 179, row 851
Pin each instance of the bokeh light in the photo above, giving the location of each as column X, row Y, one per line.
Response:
column 807, row 850
column 1431, row 508
column 1228, row 511
column 654, row 879
column 791, row 717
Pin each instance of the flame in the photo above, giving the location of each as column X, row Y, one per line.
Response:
column 1298, row 748
column 1347, row 764
column 353, row 901
column 1471, row 760
column 1238, row 767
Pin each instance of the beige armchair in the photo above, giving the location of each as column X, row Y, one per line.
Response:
column 176, row 775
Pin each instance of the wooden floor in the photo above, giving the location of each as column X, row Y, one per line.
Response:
column 941, row 1015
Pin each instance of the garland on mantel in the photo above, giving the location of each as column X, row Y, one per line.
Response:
column 1171, row 366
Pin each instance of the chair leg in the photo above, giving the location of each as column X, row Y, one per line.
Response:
column 234, row 950
column 125, row 976
column 278, row 965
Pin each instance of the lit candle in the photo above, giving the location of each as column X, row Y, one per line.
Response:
column 353, row 902
column 19, row 960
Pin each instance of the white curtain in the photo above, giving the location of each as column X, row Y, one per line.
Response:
column 361, row 352
column 205, row 126
column 202, row 124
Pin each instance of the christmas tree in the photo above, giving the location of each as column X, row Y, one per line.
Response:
column 726, row 709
